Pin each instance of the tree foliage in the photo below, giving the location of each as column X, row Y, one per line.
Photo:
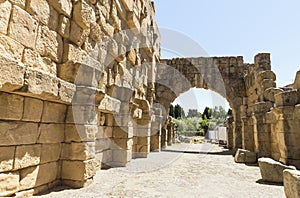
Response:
column 192, row 113
column 178, row 112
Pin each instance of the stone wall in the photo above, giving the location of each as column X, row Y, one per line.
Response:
column 76, row 89
column 82, row 87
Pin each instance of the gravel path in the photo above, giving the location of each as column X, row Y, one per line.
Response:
column 204, row 170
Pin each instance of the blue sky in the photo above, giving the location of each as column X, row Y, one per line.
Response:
column 237, row 28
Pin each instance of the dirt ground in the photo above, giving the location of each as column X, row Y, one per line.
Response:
column 203, row 170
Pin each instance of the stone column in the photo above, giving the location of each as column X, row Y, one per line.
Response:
column 230, row 130
column 155, row 140
column 248, row 135
column 164, row 135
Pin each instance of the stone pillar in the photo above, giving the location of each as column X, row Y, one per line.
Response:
column 262, row 129
column 164, row 136
column 170, row 134
column 248, row 135
column 155, row 142
column 230, row 130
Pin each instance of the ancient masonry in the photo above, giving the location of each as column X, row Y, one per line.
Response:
column 83, row 88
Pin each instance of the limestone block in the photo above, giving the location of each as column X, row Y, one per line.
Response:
column 109, row 105
column 41, row 84
column 11, row 48
column 131, row 57
column 78, row 151
column 44, row 64
column 5, row 9
column 270, row 92
column 79, row 170
column 64, row 26
column 54, row 112
column 123, row 132
column 38, row 175
column 51, row 133
column 49, row 44
column 33, row 109
column 77, row 34
column 20, row 3
column 103, row 144
column 106, row 27
column 11, row 74
column 11, row 106
column 12, row 133
column 291, row 180
column 50, row 152
column 96, row 33
column 128, row 4
column 133, row 22
column 125, row 144
column 83, row 14
column 6, row 158
column 47, row 173
column 9, row 184
column 23, row 27
column 80, row 133
column 41, row 10
column 62, row 6
column 66, row 91
column 27, row 155
column 267, row 83
column 83, row 114
column 287, row 98
column 271, row 170
column 245, row 156
column 121, row 157
column 28, row 177
column 296, row 84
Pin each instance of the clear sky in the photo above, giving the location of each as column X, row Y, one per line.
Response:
column 237, row 28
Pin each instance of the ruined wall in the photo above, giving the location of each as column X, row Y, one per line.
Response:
column 265, row 118
column 76, row 89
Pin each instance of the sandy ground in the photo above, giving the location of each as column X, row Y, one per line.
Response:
column 203, row 170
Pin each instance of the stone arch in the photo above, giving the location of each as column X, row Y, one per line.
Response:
column 223, row 75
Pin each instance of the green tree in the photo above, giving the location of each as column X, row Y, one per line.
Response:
column 206, row 113
column 178, row 112
column 171, row 111
column 192, row 113
column 229, row 112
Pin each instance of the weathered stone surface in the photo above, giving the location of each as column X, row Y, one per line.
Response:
column 7, row 158
column 11, row 74
column 50, row 152
column 38, row 175
column 66, row 91
column 78, row 151
column 244, row 156
column 54, row 112
column 44, row 64
column 109, row 105
column 288, row 98
column 80, row 133
column 9, row 183
column 23, row 27
column 5, row 8
column 27, row 155
column 51, row 133
column 41, row 84
column 83, row 14
column 291, row 180
column 12, row 133
column 62, row 6
column 271, row 170
column 11, row 48
column 20, row 3
column 40, row 9
column 11, row 106
column 33, row 109
column 77, row 34
column 77, row 184
column 79, row 170
column 49, row 43
column 121, row 157
column 64, row 26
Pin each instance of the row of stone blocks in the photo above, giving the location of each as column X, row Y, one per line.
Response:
column 273, row 172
